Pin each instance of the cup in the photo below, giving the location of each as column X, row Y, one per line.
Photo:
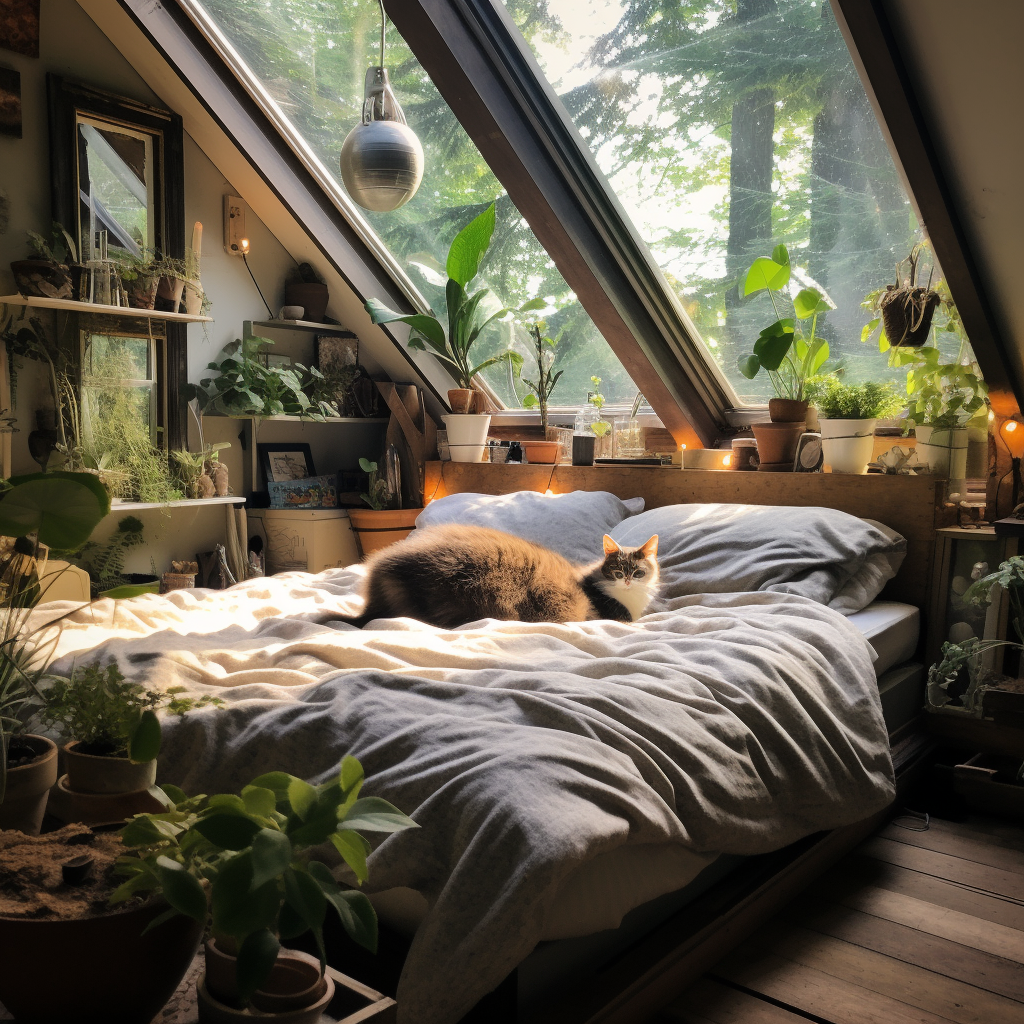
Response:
column 583, row 449
column 292, row 312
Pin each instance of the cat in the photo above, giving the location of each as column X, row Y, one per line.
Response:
column 449, row 575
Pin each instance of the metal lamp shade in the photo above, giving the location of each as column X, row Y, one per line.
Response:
column 382, row 164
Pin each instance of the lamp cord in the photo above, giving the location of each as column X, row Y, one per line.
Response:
column 383, row 23
column 245, row 260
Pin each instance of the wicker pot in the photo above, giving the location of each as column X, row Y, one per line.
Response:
column 787, row 410
column 776, row 442
column 27, row 788
column 377, row 529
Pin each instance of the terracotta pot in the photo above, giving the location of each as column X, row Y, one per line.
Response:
column 787, row 410
column 461, row 400
column 43, row 278
column 377, row 529
column 546, row 452
column 312, row 297
column 28, row 786
column 776, row 442
column 192, row 297
column 213, row 1011
column 107, row 969
column 90, row 773
column 168, row 294
column 98, row 808
column 294, row 983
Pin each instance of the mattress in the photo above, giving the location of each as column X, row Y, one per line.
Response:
column 892, row 629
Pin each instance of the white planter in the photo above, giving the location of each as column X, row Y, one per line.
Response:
column 945, row 451
column 467, row 435
column 848, row 444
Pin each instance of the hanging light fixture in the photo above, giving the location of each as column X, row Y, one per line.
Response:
column 381, row 160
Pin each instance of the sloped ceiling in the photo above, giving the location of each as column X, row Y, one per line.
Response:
column 964, row 59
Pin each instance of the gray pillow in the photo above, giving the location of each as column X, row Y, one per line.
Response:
column 829, row 556
column 571, row 524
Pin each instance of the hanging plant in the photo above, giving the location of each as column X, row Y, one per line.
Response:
column 906, row 307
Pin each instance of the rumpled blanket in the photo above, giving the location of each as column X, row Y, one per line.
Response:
column 732, row 723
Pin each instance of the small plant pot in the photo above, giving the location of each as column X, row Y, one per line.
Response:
column 467, row 436
column 213, row 1011
column 744, row 455
column 776, row 442
column 544, row 452
column 98, row 808
column 787, row 410
column 90, row 773
column 313, row 298
column 192, row 298
column 907, row 314
column 848, row 444
column 168, row 294
column 42, row 278
column 462, row 400
column 177, row 581
column 142, row 292
column 28, row 786
column 945, row 451
column 95, row 969
column 295, row 982
column 376, row 529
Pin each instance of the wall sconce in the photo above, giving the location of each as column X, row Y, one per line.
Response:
column 1012, row 433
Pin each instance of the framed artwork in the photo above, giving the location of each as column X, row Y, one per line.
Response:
column 19, row 26
column 335, row 352
column 285, row 461
column 310, row 492
column 10, row 102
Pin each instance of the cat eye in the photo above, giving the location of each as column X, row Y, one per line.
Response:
column 617, row 574
column 638, row 573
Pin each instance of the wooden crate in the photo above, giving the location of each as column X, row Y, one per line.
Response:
column 362, row 1003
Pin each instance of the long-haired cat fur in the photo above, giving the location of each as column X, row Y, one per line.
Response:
column 450, row 575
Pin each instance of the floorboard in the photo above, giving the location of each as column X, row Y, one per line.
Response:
column 914, row 927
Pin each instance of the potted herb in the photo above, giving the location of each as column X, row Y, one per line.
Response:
column 848, row 414
column 139, row 276
column 468, row 316
column 104, row 562
column 380, row 525
column 546, row 451
column 253, row 848
column 789, row 355
column 59, row 510
column 45, row 272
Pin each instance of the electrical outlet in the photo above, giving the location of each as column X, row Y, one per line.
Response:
column 234, row 226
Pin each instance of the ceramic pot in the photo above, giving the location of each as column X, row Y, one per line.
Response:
column 467, row 436
column 213, row 1011
column 377, row 529
column 98, row 808
column 312, row 297
column 945, row 451
column 776, row 442
column 90, row 773
column 142, row 292
column 168, row 294
column 545, row 452
column 848, row 444
column 192, row 298
column 43, row 278
column 294, row 983
column 787, row 410
column 462, row 401
column 109, row 970
column 744, row 454
column 28, row 785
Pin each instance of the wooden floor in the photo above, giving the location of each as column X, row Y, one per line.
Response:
column 911, row 928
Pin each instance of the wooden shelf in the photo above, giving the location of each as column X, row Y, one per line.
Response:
column 71, row 306
column 300, row 325
column 298, row 419
column 128, row 506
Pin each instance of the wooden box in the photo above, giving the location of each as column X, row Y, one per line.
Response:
column 304, row 540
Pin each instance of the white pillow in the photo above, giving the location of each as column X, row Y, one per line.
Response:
column 571, row 524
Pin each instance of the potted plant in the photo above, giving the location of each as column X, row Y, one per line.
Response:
column 380, row 525
column 59, row 510
column 467, row 318
column 45, row 272
column 905, row 308
column 112, row 739
column 306, row 288
column 787, row 354
column 848, row 414
column 590, row 422
column 104, row 562
column 139, row 276
column 172, row 276
column 252, row 849
column 546, row 451
column 66, row 958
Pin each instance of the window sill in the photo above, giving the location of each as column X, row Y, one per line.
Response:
column 133, row 506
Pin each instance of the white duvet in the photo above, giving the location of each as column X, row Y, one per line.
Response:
column 731, row 723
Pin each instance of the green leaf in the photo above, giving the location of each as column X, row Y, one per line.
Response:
column 141, row 831
column 529, row 401
column 229, row 803
column 353, row 849
column 302, row 796
column 819, row 358
column 144, row 744
column 271, row 855
column 62, row 508
column 373, row 814
column 765, row 273
column 260, row 801
column 809, row 301
column 305, row 897
column 351, row 772
column 780, row 254
column 750, row 366
column 869, row 328
column 238, row 907
column 533, row 304
column 181, row 890
column 228, row 831
column 468, row 247
column 427, row 326
column 158, row 920
column 256, row 958
column 354, row 910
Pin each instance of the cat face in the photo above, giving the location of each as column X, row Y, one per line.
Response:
column 630, row 568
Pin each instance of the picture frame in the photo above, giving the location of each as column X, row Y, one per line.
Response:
column 283, row 461
column 318, row 492
column 810, row 456
column 10, row 102
column 19, row 27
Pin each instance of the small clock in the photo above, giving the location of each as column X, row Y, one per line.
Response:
column 809, row 455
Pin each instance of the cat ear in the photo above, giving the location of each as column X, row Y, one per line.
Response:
column 650, row 549
column 609, row 545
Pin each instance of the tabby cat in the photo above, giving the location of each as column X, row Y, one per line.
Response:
column 450, row 575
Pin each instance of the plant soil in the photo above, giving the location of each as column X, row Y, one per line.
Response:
column 20, row 753
column 101, row 748
column 31, row 882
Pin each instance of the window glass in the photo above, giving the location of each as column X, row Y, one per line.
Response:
column 118, row 393
column 725, row 127
column 311, row 56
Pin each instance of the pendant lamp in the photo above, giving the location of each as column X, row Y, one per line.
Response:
column 381, row 160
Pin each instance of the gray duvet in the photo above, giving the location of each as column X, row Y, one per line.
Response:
column 730, row 723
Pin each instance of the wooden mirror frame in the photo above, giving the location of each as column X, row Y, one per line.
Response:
column 68, row 99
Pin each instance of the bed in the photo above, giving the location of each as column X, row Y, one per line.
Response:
column 564, row 776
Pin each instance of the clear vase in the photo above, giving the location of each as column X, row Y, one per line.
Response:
column 629, row 438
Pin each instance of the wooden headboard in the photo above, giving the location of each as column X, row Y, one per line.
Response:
column 906, row 504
